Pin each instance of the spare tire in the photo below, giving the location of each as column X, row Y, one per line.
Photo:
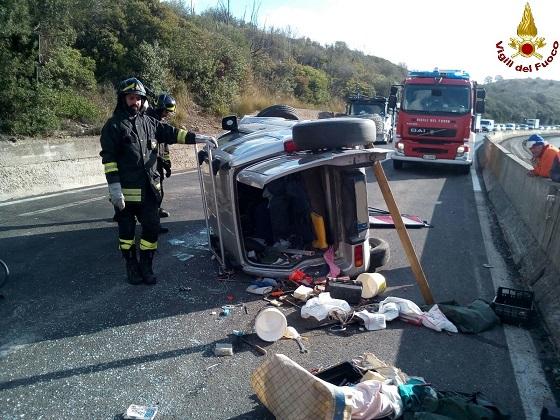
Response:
column 282, row 111
column 333, row 133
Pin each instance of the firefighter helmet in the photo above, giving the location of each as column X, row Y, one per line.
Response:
column 166, row 102
column 132, row 85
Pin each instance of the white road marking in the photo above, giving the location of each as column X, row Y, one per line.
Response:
column 534, row 390
column 64, row 206
column 42, row 197
column 25, row 200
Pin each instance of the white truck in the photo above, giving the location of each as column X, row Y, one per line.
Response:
column 533, row 123
column 486, row 125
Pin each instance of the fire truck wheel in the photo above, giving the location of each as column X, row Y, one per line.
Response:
column 333, row 133
column 378, row 254
column 282, row 111
column 465, row 169
column 397, row 164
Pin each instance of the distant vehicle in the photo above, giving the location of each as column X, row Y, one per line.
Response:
column 533, row 123
column 510, row 126
column 523, row 127
column 487, row 125
column 375, row 109
column 437, row 119
column 499, row 127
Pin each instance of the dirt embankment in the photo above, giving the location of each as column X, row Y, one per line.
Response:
column 208, row 124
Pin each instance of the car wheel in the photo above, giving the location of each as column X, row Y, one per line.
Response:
column 379, row 253
column 282, row 111
column 397, row 164
column 333, row 133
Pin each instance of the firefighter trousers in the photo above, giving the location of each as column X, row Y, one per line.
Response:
column 146, row 212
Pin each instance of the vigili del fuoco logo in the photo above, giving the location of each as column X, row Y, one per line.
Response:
column 526, row 46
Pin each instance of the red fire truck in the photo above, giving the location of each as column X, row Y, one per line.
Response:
column 437, row 118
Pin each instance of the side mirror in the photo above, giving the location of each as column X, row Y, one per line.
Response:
column 229, row 123
column 392, row 102
column 480, row 107
column 481, row 94
column 393, row 91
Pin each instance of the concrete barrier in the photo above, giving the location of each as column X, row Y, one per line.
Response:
column 37, row 166
column 528, row 211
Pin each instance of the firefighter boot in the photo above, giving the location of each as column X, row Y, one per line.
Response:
column 146, row 258
column 132, row 268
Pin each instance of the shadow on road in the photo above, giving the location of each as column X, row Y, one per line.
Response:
column 452, row 255
column 71, row 283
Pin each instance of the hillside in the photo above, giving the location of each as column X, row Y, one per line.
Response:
column 60, row 61
column 517, row 99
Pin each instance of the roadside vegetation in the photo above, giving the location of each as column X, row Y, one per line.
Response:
column 60, row 61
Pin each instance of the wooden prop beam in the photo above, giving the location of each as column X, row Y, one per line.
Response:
column 403, row 233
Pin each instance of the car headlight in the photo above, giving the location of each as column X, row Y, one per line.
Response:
column 400, row 146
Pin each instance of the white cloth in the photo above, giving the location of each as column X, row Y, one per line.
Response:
column 369, row 400
column 393, row 307
column 372, row 322
column 436, row 320
column 320, row 307
column 406, row 308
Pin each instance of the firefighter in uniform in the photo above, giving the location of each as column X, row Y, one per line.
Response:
column 129, row 145
column 164, row 107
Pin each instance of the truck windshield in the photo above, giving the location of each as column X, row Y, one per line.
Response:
column 363, row 109
column 436, row 99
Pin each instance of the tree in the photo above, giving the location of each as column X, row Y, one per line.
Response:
column 488, row 80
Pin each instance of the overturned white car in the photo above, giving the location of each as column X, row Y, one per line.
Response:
column 282, row 194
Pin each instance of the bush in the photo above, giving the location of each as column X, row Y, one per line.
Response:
column 311, row 85
column 67, row 68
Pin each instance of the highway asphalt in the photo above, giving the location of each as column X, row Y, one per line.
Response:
column 78, row 342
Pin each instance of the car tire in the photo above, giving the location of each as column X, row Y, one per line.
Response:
column 333, row 133
column 281, row 111
column 379, row 253
column 397, row 164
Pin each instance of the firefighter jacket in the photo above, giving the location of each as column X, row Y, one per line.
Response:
column 129, row 149
column 545, row 160
column 164, row 159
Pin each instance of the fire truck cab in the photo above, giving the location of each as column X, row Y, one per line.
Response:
column 437, row 117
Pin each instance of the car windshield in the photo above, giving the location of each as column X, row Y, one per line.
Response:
column 363, row 109
column 436, row 99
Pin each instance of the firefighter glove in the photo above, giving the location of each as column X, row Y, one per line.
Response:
column 117, row 197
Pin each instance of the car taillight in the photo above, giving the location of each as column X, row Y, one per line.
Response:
column 290, row 146
column 358, row 255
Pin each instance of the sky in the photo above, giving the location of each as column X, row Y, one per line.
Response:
column 423, row 34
